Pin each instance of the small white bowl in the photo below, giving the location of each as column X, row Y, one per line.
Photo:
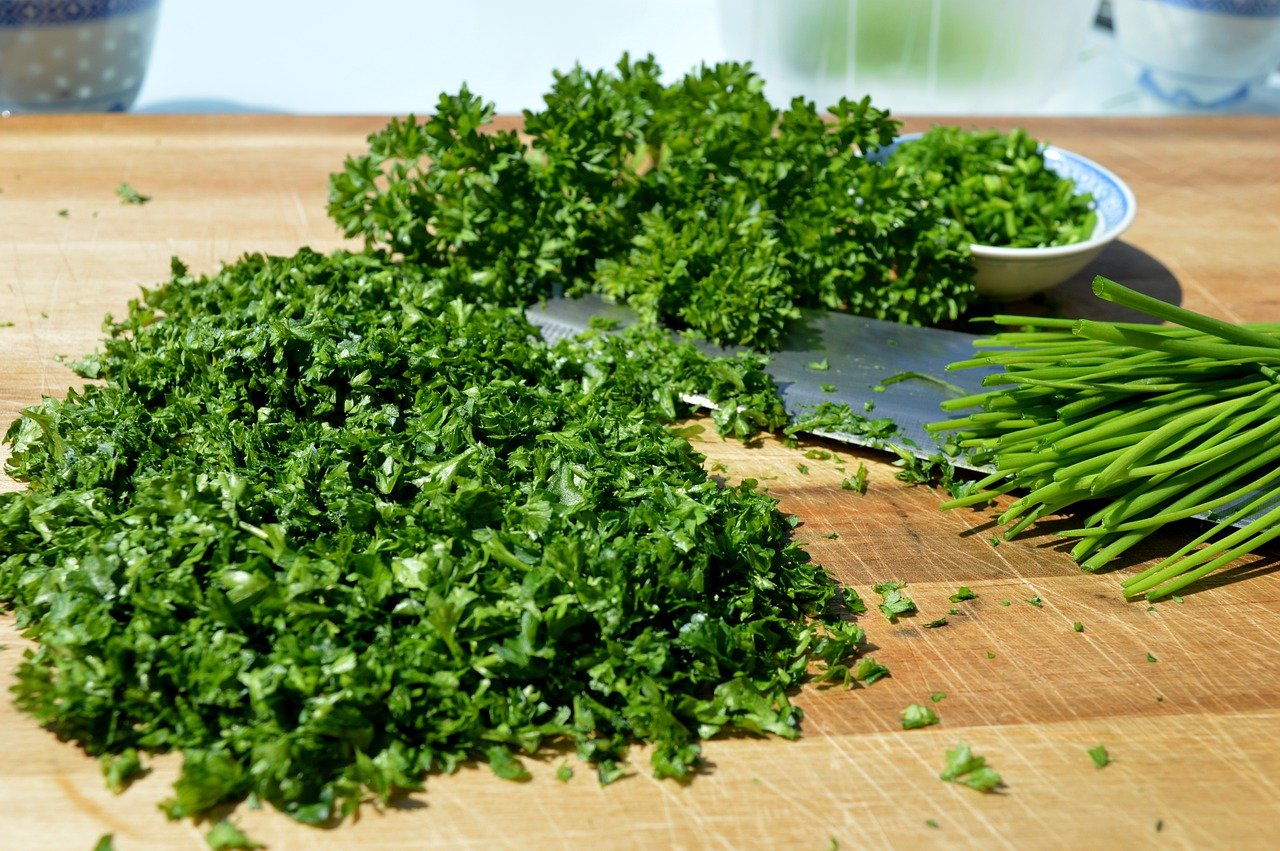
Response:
column 1008, row 274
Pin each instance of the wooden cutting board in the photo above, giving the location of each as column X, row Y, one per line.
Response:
column 1195, row 735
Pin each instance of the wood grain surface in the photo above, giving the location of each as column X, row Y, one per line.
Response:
column 1195, row 735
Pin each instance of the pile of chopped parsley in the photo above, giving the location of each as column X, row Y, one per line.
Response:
column 697, row 203
column 997, row 187
column 324, row 528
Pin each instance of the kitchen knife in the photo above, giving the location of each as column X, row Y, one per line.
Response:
column 861, row 356
column 880, row 369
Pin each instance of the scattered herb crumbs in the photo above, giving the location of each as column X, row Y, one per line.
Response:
column 564, row 773
column 893, row 601
column 820, row 365
column 832, row 536
column 934, row 624
column 963, row 593
column 994, row 541
column 915, row 716
column 1151, row 609
column 868, row 670
column 719, row 467
column 803, row 469
column 970, row 770
column 991, row 654
column 868, row 407
column 8, row 323
column 938, row 696
column 1005, row 603
column 829, row 388
column 225, row 836
column 64, row 212
column 1159, row 698
column 1151, row 658
column 1159, row 825
column 129, row 196
column 953, row 611
column 933, row 823
column 818, row 455
column 106, row 842
column 858, row 481
column 1037, row 602
column 119, row 770
column 1077, row 626
column 1099, row 756
column 1177, row 599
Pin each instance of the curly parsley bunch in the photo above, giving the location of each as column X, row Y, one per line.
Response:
column 697, row 203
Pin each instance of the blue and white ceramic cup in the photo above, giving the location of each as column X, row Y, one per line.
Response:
column 74, row 55
column 1200, row 54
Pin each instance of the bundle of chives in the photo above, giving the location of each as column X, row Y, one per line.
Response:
column 1149, row 423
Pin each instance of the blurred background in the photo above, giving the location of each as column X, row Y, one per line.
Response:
column 991, row 57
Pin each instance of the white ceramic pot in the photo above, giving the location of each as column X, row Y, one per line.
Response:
column 921, row 56
column 1199, row 53
column 73, row 55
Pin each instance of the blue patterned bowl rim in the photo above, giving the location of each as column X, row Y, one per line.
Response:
column 1113, row 201
column 28, row 13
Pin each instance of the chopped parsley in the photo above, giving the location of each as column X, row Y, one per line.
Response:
column 969, row 770
column 868, row 670
column 121, row 769
column 963, row 593
column 858, row 481
column 225, row 836
column 128, row 195
column 893, row 601
column 915, row 716
column 1099, row 756
column 308, row 499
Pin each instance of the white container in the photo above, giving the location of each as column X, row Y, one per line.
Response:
column 911, row 56
column 1203, row 54
column 73, row 55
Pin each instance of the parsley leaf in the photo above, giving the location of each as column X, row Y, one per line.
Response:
column 1099, row 756
column 119, row 770
column 130, row 196
column 963, row 593
column 894, row 602
column 915, row 716
column 970, row 770
column 225, row 836
column 858, row 481
column 868, row 670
